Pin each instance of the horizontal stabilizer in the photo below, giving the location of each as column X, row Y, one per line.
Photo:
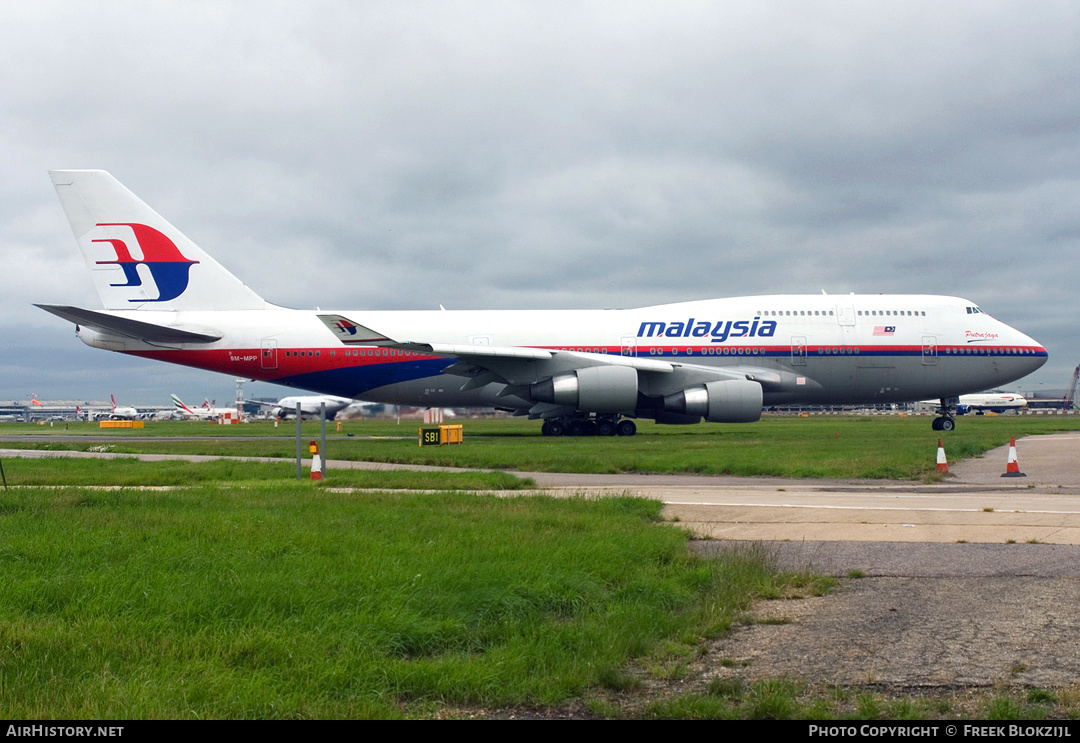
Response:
column 353, row 334
column 137, row 329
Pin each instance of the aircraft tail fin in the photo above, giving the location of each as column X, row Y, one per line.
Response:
column 137, row 258
column 180, row 406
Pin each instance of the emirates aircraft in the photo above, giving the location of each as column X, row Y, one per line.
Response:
column 580, row 371
column 203, row 412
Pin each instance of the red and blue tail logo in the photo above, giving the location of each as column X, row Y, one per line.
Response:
column 167, row 265
column 344, row 327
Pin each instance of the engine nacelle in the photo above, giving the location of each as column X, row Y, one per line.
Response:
column 724, row 401
column 594, row 389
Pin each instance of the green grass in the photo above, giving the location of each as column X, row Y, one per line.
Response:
column 821, row 446
column 130, row 472
column 288, row 601
column 241, row 593
column 242, row 598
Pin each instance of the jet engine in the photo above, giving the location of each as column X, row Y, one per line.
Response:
column 723, row 401
column 594, row 389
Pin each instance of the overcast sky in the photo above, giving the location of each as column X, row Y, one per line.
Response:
column 402, row 155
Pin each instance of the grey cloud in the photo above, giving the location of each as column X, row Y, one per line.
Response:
column 402, row 155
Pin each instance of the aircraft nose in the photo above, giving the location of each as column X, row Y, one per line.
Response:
column 1040, row 358
column 1034, row 352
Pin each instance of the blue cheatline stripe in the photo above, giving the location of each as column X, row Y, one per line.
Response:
column 354, row 380
column 825, row 351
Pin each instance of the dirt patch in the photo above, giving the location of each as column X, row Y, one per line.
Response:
column 914, row 634
column 925, row 617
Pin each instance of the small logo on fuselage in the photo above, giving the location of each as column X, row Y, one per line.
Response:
column 167, row 265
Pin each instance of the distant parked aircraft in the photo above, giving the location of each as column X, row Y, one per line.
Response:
column 122, row 413
column 309, row 405
column 203, row 412
column 997, row 402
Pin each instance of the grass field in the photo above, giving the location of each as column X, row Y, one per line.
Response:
column 819, row 446
column 238, row 592
column 263, row 600
column 126, row 471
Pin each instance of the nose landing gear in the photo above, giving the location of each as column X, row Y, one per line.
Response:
column 945, row 420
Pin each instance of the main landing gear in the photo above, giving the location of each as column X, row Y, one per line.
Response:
column 943, row 423
column 606, row 425
column 945, row 420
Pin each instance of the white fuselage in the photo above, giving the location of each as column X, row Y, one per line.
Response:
column 805, row 349
column 719, row 360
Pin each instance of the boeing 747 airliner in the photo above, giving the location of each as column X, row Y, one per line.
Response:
column 580, row 371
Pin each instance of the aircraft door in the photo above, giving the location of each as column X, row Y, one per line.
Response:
column 269, row 353
column 929, row 350
column 798, row 350
column 628, row 344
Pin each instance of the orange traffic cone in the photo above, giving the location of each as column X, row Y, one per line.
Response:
column 1012, row 467
column 942, row 465
column 316, row 462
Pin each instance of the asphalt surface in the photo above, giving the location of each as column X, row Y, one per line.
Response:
column 919, row 559
column 973, row 503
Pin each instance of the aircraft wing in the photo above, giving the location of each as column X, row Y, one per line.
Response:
column 137, row 329
column 555, row 383
column 520, row 366
column 511, row 364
